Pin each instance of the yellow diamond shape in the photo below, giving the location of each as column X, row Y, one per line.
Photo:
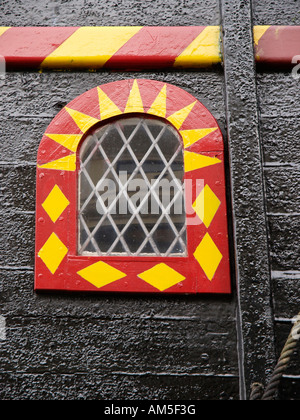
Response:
column 55, row 203
column 208, row 256
column 101, row 274
column 161, row 277
column 206, row 205
column 53, row 252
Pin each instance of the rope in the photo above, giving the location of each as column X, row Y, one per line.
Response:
column 270, row 392
column 257, row 391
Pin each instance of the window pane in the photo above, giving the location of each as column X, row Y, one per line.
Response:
column 131, row 195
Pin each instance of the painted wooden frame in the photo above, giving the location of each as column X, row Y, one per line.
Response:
column 58, row 267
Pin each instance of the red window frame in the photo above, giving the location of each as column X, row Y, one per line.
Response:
column 206, row 269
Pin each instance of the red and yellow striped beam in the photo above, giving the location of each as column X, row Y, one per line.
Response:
column 276, row 46
column 129, row 48
column 136, row 47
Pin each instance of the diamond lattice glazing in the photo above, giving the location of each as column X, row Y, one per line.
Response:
column 131, row 192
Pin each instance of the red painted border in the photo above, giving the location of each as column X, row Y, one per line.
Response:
column 65, row 228
column 278, row 46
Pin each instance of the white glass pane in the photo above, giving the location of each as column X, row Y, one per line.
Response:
column 131, row 197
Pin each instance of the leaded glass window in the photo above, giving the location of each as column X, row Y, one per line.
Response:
column 131, row 190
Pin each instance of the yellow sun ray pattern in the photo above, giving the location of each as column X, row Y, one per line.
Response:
column 159, row 106
column 69, row 141
column 193, row 161
column 192, row 136
column 67, row 163
column 135, row 103
column 84, row 122
column 109, row 109
column 178, row 118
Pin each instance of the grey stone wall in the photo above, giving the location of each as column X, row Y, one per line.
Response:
column 67, row 346
column 279, row 112
column 110, row 12
column 279, row 119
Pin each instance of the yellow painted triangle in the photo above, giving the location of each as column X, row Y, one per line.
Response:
column 67, row 163
column 204, row 50
column 178, row 118
column 193, row 161
column 90, row 47
column 192, row 136
column 84, row 122
column 159, row 106
column 3, row 29
column 135, row 103
column 108, row 108
column 69, row 141
column 258, row 32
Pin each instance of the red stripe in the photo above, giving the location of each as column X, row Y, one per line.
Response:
column 154, row 47
column 27, row 47
column 278, row 46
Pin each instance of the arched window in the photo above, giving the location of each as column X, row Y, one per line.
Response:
column 131, row 194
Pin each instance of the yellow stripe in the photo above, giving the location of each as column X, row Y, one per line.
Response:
column 258, row 32
column 90, row 47
column 3, row 29
column 108, row 108
column 203, row 51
